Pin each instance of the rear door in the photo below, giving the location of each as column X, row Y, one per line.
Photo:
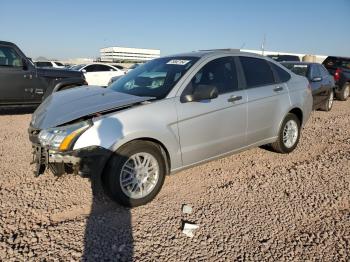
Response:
column 317, row 84
column 213, row 127
column 268, row 99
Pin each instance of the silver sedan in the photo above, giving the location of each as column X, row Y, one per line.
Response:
column 167, row 115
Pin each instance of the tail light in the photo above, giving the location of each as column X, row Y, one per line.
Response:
column 337, row 74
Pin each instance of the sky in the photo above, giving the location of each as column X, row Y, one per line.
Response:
column 71, row 29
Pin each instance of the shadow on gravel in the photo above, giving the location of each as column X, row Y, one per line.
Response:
column 17, row 111
column 108, row 233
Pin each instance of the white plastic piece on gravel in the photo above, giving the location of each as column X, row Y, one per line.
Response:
column 189, row 229
column 186, row 209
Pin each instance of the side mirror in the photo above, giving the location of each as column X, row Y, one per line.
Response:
column 202, row 92
column 316, row 79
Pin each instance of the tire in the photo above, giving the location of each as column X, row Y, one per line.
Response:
column 344, row 92
column 280, row 145
column 118, row 169
column 328, row 104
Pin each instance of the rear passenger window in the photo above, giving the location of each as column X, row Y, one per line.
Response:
column 282, row 75
column 257, row 71
column 315, row 72
column 220, row 72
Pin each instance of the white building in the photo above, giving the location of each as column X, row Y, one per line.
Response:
column 316, row 58
column 126, row 54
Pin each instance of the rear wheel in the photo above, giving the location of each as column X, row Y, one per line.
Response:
column 328, row 104
column 135, row 173
column 344, row 92
column 288, row 136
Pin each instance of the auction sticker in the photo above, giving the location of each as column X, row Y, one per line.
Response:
column 178, row 62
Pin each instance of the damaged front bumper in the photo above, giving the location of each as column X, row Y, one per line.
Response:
column 84, row 162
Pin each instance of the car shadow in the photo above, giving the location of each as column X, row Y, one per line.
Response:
column 108, row 233
column 17, row 110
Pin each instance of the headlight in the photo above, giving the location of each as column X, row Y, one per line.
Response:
column 62, row 138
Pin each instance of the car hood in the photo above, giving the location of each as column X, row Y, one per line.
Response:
column 71, row 104
column 58, row 72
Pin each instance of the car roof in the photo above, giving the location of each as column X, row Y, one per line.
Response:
column 6, row 43
column 214, row 52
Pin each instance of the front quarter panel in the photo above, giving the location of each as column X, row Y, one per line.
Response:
column 155, row 121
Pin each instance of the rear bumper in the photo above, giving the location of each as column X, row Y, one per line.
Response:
column 84, row 162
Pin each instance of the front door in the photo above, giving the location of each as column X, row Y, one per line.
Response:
column 14, row 79
column 213, row 127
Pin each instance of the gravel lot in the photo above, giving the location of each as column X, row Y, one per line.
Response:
column 257, row 205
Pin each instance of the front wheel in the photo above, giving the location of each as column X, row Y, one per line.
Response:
column 135, row 174
column 288, row 136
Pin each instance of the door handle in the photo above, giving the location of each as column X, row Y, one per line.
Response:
column 30, row 76
column 232, row 99
column 39, row 91
column 278, row 89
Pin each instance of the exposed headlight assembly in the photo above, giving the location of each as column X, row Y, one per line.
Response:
column 62, row 138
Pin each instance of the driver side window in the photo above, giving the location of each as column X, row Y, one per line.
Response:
column 9, row 57
column 220, row 73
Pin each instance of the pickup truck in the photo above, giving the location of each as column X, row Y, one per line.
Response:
column 339, row 68
column 23, row 84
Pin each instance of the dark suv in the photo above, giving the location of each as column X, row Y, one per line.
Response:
column 21, row 83
column 339, row 67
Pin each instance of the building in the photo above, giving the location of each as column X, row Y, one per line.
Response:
column 119, row 54
column 315, row 58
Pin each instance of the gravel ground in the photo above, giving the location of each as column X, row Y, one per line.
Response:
column 257, row 205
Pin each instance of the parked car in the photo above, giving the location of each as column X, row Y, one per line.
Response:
column 284, row 58
column 54, row 64
column 339, row 68
column 321, row 82
column 21, row 83
column 98, row 74
column 170, row 114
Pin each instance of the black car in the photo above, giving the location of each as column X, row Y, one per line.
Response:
column 285, row 58
column 21, row 83
column 321, row 82
column 339, row 68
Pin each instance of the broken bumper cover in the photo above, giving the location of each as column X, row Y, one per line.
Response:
column 85, row 162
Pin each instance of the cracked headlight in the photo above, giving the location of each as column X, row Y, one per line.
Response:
column 62, row 138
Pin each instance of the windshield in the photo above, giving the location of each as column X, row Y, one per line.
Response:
column 298, row 69
column 155, row 78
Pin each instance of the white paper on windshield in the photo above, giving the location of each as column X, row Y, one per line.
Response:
column 178, row 62
column 302, row 66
